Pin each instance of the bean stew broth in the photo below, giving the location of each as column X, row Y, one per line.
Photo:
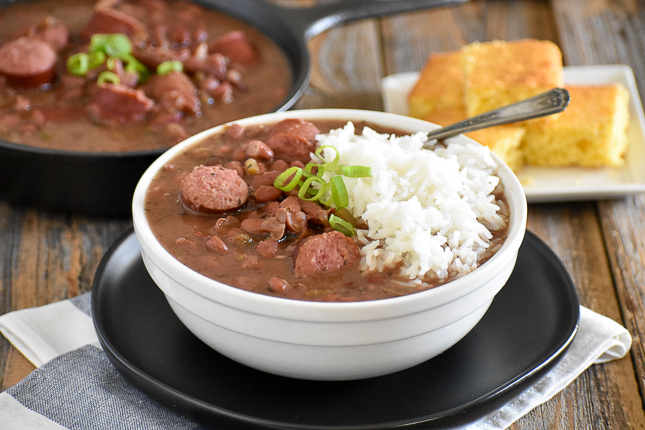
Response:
column 229, row 247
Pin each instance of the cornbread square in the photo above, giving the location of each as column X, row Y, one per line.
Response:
column 499, row 73
column 503, row 140
column 591, row 132
column 440, row 85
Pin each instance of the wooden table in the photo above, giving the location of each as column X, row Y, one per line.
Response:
column 49, row 257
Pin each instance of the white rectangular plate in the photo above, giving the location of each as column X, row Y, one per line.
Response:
column 566, row 184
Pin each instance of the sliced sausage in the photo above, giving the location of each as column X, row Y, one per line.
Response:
column 119, row 103
column 174, row 91
column 111, row 21
column 213, row 64
column 213, row 189
column 152, row 56
column 49, row 30
column 235, row 46
column 293, row 139
column 28, row 62
column 325, row 252
column 296, row 126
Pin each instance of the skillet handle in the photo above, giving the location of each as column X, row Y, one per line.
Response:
column 312, row 21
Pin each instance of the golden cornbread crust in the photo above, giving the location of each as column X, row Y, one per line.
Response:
column 591, row 132
column 498, row 73
column 440, row 85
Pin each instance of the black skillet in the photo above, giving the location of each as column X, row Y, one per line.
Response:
column 103, row 183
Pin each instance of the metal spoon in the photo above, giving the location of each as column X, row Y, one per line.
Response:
column 548, row 103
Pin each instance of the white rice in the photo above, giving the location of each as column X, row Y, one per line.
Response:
column 430, row 212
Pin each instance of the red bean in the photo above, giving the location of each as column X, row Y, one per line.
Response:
column 237, row 166
column 292, row 203
column 239, row 154
column 298, row 164
column 271, row 208
column 216, row 244
column 278, row 285
column 279, row 165
column 266, row 178
column 182, row 241
column 296, row 221
column 267, row 193
column 253, row 225
column 224, row 225
column 234, row 131
column 274, row 227
column 267, row 248
column 259, row 149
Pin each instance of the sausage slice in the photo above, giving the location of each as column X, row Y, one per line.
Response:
column 293, row 139
column 28, row 62
column 325, row 252
column 119, row 103
column 213, row 189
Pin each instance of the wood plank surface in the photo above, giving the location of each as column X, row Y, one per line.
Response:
column 49, row 257
column 46, row 258
column 608, row 32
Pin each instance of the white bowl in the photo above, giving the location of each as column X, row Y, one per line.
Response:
column 329, row 341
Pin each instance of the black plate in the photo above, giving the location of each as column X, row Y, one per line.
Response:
column 523, row 335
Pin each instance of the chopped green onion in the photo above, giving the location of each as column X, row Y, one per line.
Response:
column 108, row 78
column 319, row 153
column 114, row 45
column 314, row 187
column 112, row 62
column 357, row 171
column 135, row 66
column 169, row 66
column 307, row 186
column 339, row 192
column 279, row 182
column 96, row 59
column 310, row 167
column 78, row 64
column 341, row 225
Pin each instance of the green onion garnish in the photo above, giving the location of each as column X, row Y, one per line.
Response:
column 306, row 188
column 96, row 59
column 339, row 192
column 78, row 64
column 111, row 63
column 279, row 182
column 357, row 171
column 108, row 78
column 319, row 153
column 107, row 48
column 314, row 187
column 341, row 225
column 114, row 45
column 169, row 66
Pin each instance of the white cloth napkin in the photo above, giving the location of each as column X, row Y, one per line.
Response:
column 76, row 387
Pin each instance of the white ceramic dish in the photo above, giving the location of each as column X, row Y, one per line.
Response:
column 328, row 341
column 566, row 184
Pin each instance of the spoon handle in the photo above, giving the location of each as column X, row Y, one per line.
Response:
column 548, row 103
